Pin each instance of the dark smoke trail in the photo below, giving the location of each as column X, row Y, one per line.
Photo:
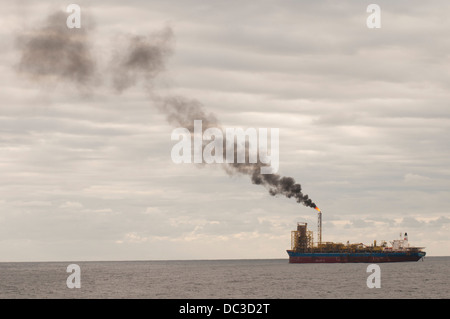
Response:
column 55, row 51
column 182, row 112
column 144, row 58
column 282, row 185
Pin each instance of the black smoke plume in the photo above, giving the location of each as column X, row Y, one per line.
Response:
column 182, row 112
column 53, row 51
column 55, row 54
column 140, row 58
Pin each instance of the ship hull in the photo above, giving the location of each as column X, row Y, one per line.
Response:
column 301, row 258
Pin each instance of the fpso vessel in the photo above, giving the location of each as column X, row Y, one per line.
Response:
column 303, row 250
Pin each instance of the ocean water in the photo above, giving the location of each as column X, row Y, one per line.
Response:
column 211, row 279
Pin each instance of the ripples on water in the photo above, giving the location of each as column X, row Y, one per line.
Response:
column 273, row 278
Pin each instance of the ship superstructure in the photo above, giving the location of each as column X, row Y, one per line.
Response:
column 305, row 250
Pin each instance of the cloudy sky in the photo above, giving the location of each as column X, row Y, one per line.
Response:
column 363, row 114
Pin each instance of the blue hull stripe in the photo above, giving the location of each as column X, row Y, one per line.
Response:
column 399, row 254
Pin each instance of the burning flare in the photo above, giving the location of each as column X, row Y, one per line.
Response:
column 317, row 208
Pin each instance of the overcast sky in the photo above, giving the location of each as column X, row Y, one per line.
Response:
column 363, row 114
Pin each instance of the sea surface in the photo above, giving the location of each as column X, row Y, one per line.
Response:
column 211, row 279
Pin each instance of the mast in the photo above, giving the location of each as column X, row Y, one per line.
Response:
column 319, row 227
